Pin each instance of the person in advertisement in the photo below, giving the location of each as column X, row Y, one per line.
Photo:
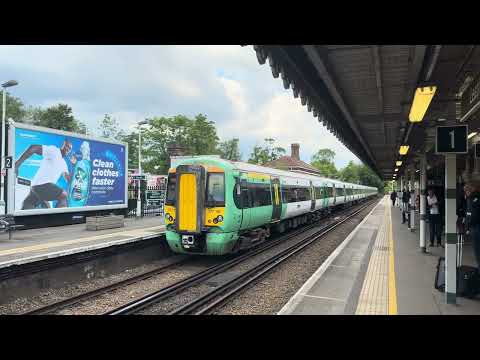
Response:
column 52, row 167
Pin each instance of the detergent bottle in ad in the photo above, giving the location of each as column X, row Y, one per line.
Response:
column 79, row 189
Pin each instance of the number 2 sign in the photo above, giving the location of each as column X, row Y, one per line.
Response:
column 452, row 139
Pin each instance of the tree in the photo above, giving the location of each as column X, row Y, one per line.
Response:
column 110, row 129
column 229, row 150
column 132, row 140
column 323, row 161
column 261, row 155
column 197, row 136
column 350, row 173
column 15, row 108
column 58, row 117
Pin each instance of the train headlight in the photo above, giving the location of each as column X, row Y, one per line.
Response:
column 220, row 218
column 215, row 221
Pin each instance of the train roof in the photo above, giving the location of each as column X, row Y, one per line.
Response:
column 243, row 166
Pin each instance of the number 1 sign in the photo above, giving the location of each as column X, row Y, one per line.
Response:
column 452, row 139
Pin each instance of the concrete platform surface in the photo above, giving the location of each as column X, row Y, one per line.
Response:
column 379, row 269
column 39, row 244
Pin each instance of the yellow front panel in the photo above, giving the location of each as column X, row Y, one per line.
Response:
column 187, row 203
column 170, row 213
column 217, row 213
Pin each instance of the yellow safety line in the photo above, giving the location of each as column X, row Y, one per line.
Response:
column 392, row 290
column 69, row 242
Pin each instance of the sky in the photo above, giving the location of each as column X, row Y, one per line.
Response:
column 131, row 83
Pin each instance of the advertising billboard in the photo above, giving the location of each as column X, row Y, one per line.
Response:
column 56, row 171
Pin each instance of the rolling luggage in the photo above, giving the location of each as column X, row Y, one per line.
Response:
column 468, row 278
column 440, row 275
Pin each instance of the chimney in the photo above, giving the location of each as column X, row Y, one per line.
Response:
column 296, row 151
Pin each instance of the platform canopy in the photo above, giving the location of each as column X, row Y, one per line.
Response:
column 363, row 93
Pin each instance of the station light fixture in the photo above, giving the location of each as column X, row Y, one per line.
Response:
column 399, row 163
column 404, row 149
column 396, row 169
column 421, row 101
column 472, row 134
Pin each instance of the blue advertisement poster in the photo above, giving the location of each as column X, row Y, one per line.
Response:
column 62, row 171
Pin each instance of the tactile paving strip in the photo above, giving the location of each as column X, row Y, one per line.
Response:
column 373, row 298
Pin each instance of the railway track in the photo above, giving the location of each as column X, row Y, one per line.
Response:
column 205, row 303
column 54, row 307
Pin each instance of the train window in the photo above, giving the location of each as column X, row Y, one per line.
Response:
column 303, row 194
column 171, row 189
column 260, row 194
column 318, row 193
column 330, row 191
column 340, row 191
column 215, row 190
column 237, row 194
column 288, row 194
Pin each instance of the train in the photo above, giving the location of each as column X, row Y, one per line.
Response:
column 217, row 207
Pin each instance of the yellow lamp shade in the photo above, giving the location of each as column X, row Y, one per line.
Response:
column 421, row 102
column 404, row 149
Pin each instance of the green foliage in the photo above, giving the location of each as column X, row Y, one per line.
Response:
column 197, row 136
column 263, row 154
column 132, row 140
column 230, row 150
column 323, row 161
column 15, row 108
column 109, row 128
column 58, row 117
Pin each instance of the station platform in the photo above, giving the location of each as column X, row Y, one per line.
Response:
column 379, row 269
column 27, row 246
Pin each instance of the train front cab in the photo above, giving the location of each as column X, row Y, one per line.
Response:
column 195, row 209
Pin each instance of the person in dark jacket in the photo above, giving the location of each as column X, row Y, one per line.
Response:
column 405, row 200
column 472, row 192
column 393, row 197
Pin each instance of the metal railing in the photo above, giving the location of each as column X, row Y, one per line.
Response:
column 152, row 199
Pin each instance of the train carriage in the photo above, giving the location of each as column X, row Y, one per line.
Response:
column 215, row 207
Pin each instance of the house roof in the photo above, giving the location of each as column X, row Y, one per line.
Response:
column 290, row 163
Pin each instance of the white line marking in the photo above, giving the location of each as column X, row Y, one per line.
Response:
column 324, row 298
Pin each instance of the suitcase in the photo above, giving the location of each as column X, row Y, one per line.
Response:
column 440, row 275
column 467, row 281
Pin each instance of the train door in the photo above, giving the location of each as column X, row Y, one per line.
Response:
column 325, row 195
column 246, row 201
column 345, row 194
column 312, row 196
column 276, row 200
column 334, row 194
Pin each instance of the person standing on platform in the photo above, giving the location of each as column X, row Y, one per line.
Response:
column 405, row 200
column 473, row 216
column 393, row 197
column 434, row 218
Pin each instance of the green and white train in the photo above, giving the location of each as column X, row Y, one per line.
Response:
column 216, row 207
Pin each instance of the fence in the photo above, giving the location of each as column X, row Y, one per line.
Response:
column 152, row 199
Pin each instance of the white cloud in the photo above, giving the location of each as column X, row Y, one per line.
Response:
column 133, row 82
column 283, row 118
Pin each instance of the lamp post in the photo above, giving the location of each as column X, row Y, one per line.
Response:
column 5, row 85
column 139, row 204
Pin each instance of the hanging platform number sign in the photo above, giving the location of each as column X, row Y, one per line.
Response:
column 452, row 139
